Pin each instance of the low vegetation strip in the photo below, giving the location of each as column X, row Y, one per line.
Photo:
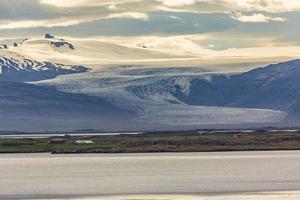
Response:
column 155, row 142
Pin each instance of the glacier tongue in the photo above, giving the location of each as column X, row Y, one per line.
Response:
column 152, row 96
column 207, row 115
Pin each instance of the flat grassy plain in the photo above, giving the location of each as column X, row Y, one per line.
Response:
column 158, row 142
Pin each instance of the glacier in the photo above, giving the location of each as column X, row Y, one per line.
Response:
column 151, row 93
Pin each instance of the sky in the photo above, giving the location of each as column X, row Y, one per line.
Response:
column 211, row 24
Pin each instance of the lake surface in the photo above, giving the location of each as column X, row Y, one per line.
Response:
column 45, row 135
column 54, row 176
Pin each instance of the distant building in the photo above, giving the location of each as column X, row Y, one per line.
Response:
column 57, row 141
column 84, row 142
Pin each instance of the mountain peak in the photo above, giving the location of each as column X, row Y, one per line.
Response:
column 14, row 67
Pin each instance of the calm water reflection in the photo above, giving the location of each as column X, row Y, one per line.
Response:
column 31, row 175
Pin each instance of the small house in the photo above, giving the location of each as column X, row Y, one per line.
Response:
column 57, row 141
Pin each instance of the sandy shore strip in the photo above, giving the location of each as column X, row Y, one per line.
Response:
column 291, row 195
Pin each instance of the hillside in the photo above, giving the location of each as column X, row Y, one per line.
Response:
column 275, row 86
column 32, row 108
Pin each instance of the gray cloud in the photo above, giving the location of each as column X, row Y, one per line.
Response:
column 50, row 13
column 269, row 18
column 25, row 9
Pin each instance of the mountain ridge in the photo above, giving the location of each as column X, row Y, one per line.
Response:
column 16, row 68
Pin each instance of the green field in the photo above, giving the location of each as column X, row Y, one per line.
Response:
column 159, row 142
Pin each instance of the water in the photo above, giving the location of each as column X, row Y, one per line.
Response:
column 49, row 176
column 45, row 135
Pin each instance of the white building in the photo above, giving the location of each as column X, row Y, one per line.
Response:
column 84, row 142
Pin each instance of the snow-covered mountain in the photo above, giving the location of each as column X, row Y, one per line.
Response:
column 86, row 52
column 14, row 67
column 156, row 97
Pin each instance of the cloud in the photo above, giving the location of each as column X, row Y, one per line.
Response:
column 175, row 3
column 153, row 17
column 270, row 6
column 113, row 7
column 129, row 15
column 83, row 3
column 66, row 21
column 16, row 14
column 256, row 18
column 39, row 23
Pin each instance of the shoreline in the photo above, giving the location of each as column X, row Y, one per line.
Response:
column 152, row 152
column 155, row 143
column 263, row 195
column 270, row 195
